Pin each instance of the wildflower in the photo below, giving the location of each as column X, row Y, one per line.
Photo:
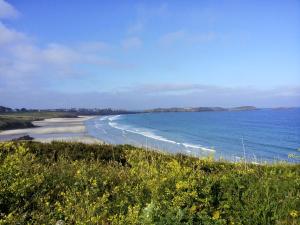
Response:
column 193, row 209
column 294, row 213
column 94, row 183
column 182, row 185
column 216, row 215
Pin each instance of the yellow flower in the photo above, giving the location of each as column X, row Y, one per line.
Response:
column 193, row 209
column 94, row 183
column 182, row 185
column 294, row 213
column 216, row 215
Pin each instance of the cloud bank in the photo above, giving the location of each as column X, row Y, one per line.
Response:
column 162, row 95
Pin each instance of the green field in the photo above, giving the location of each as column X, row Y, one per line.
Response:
column 75, row 183
column 18, row 120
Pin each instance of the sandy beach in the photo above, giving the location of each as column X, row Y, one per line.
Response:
column 55, row 129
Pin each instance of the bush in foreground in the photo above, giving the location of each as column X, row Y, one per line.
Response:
column 103, row 184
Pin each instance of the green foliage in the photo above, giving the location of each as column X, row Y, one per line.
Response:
column 105, row 184
column 16, row 120
column 7, row 123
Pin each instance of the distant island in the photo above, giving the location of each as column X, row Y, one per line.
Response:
column 202, row 109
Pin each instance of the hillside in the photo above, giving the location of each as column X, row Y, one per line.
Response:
column 18, row 120
column 73, row 183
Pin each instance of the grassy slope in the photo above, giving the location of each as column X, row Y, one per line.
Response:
column 104, row 184
column 24, row 119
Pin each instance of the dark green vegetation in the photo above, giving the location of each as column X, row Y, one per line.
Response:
column 16, row 120
column 8, row 123
column 72, row 111
column 104, row 184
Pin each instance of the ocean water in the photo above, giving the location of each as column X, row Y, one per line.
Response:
column 259, row 135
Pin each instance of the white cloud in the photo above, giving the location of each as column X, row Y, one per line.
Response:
column 9, row 36
column 170, row 88
column 183, row 36
column 203, row 37
column 132, row 42
column 60, row 54
column 144, row 15
column 172, row 37
column 218, row 95
column 157, row 95
column 23, row 62
column 136, row 27
column 7, row 11
column 94, row 46
column 22, row 59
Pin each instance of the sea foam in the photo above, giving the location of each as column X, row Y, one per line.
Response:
column 149, row 134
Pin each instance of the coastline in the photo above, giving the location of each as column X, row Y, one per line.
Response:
column 55, row 129
column 232, row 135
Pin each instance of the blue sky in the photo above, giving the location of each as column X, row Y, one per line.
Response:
column 144, row 54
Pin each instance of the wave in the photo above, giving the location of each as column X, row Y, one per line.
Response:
column 151, row 135
column 112, row 118
column 103, row 118
column 196, row 133
column 187, row 145
column 144, row 133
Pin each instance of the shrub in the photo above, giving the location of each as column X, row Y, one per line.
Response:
column 104, row 184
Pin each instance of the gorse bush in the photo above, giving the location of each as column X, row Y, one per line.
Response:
column 103, row 184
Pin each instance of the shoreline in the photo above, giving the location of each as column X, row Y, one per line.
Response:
column 55, row 129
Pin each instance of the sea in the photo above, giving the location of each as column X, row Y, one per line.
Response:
column 264, row 135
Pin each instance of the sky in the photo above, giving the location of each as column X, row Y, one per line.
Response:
column 148, row 54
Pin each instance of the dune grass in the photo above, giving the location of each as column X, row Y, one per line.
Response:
column 75, row 183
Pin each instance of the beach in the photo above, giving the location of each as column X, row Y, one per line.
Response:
column 55, row 129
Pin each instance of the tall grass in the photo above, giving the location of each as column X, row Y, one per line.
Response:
column 103, row 184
